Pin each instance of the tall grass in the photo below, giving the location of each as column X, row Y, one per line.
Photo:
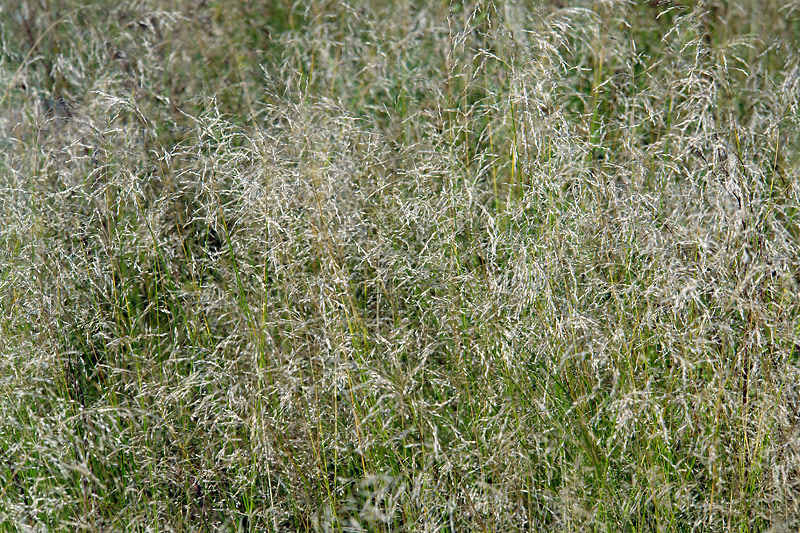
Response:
column 491, row 266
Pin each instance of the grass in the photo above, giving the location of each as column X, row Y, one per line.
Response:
column 424, row 266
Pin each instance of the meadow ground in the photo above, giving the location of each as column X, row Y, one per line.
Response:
column 399, row 266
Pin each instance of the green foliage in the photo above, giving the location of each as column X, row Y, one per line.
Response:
column 405, row 266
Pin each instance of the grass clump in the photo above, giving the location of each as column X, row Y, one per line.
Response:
column 490, row 266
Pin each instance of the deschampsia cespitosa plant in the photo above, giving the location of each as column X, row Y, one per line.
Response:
column 404, row 266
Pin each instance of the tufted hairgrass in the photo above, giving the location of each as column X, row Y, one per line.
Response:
column 405, row 266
